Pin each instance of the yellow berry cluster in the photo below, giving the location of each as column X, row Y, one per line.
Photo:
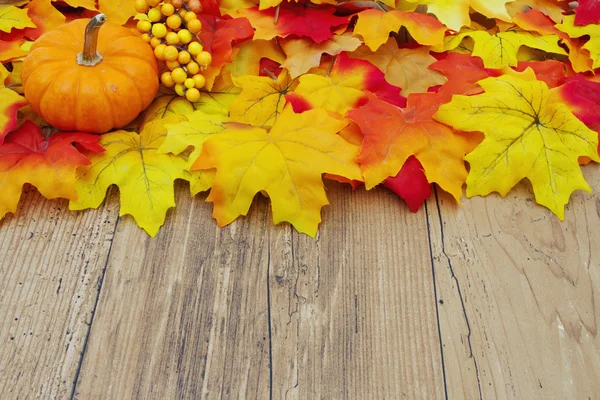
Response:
column 171, row 29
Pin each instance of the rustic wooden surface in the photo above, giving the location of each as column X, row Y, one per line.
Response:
column 493, row 299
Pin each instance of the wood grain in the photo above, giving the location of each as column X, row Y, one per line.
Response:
column 353, row 312
column 206, row 312
column 518, row 292
column 51, row 267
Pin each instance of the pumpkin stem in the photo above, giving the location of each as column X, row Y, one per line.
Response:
column 90, row 56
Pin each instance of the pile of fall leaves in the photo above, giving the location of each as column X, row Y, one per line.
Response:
column 392, row 92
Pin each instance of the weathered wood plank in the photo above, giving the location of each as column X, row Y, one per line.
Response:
column 520, row 291
column 52, row 262
column 183, row 315
column 201, row 311
column 353, row 312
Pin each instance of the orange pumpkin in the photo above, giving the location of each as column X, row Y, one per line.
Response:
column 105, row 86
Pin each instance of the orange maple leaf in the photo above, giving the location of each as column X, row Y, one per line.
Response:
column 393, row 134
column 48, row 164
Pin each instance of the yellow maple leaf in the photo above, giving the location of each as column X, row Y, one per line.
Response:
column 168, row 104
column 117, row 11
column 304, row 54
column 262, row 99
column 12, row 17
column 405, row 68
column 287, row 162
column 455, row 13
column 499, row 49
column 591, row 30
column 375, row 26
column 249, row 54
column 526, row 136
column 145, row 178
column 192, row 132
column 87, row 4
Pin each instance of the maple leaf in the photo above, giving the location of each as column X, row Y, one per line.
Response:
column 286, row 162
column 583, row 97
column 193, row 131
column 10, row 102
column 455, row 14
column 262, row 99
column 48, row 164
column 117, row 11
column 145, row 178
column 251, row 54
column 293, row 19
column 410, row 184
column 526, row 136
column 87, row 4
column 375, row 26
column 499, row 49
column 304, row 54
column 12, row 17
column 592, row 30
column 344, row 88
column 534, row 20
column 392, row 135
column 45, row 18
column 551, row 8
column 587, row 12
column 168, row 104
column 463, row 72
column 218, row 36
column 405, row 68
column 12, row 50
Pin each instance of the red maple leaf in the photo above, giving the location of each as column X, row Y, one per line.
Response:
column 48, row 164
column 410, row 184
column 294, row 19
column 588, row 12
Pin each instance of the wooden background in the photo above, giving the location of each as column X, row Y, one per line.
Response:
column 493, row 299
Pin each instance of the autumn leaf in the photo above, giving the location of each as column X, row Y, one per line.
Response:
column 526, row 136
column 168, row 104
column 405, row 68
column 463, row 72
column 287, row 162
column 262, row 99
column 12, row 17
column 392, row 135
column 48, row 164
column 551, row 8
column 45, row 18
column 293, row 19
column 12, row 50
column 375, row 26
column 303, row 54
column 410, row 184
column 251, row 54
column 117, row 11
column 10, row 102
column 535, row 21
column 87, row 4
column 193, row 131
column 455, row 14
column 592, row 30
column 499, row 49
column 344, row 88
column 587, row 12
column 218, row 36
column 145, row 178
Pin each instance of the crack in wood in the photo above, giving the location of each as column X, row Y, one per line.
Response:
column 97, row 300
column 459, row 291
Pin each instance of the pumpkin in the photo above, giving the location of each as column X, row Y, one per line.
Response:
column 103, row 87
